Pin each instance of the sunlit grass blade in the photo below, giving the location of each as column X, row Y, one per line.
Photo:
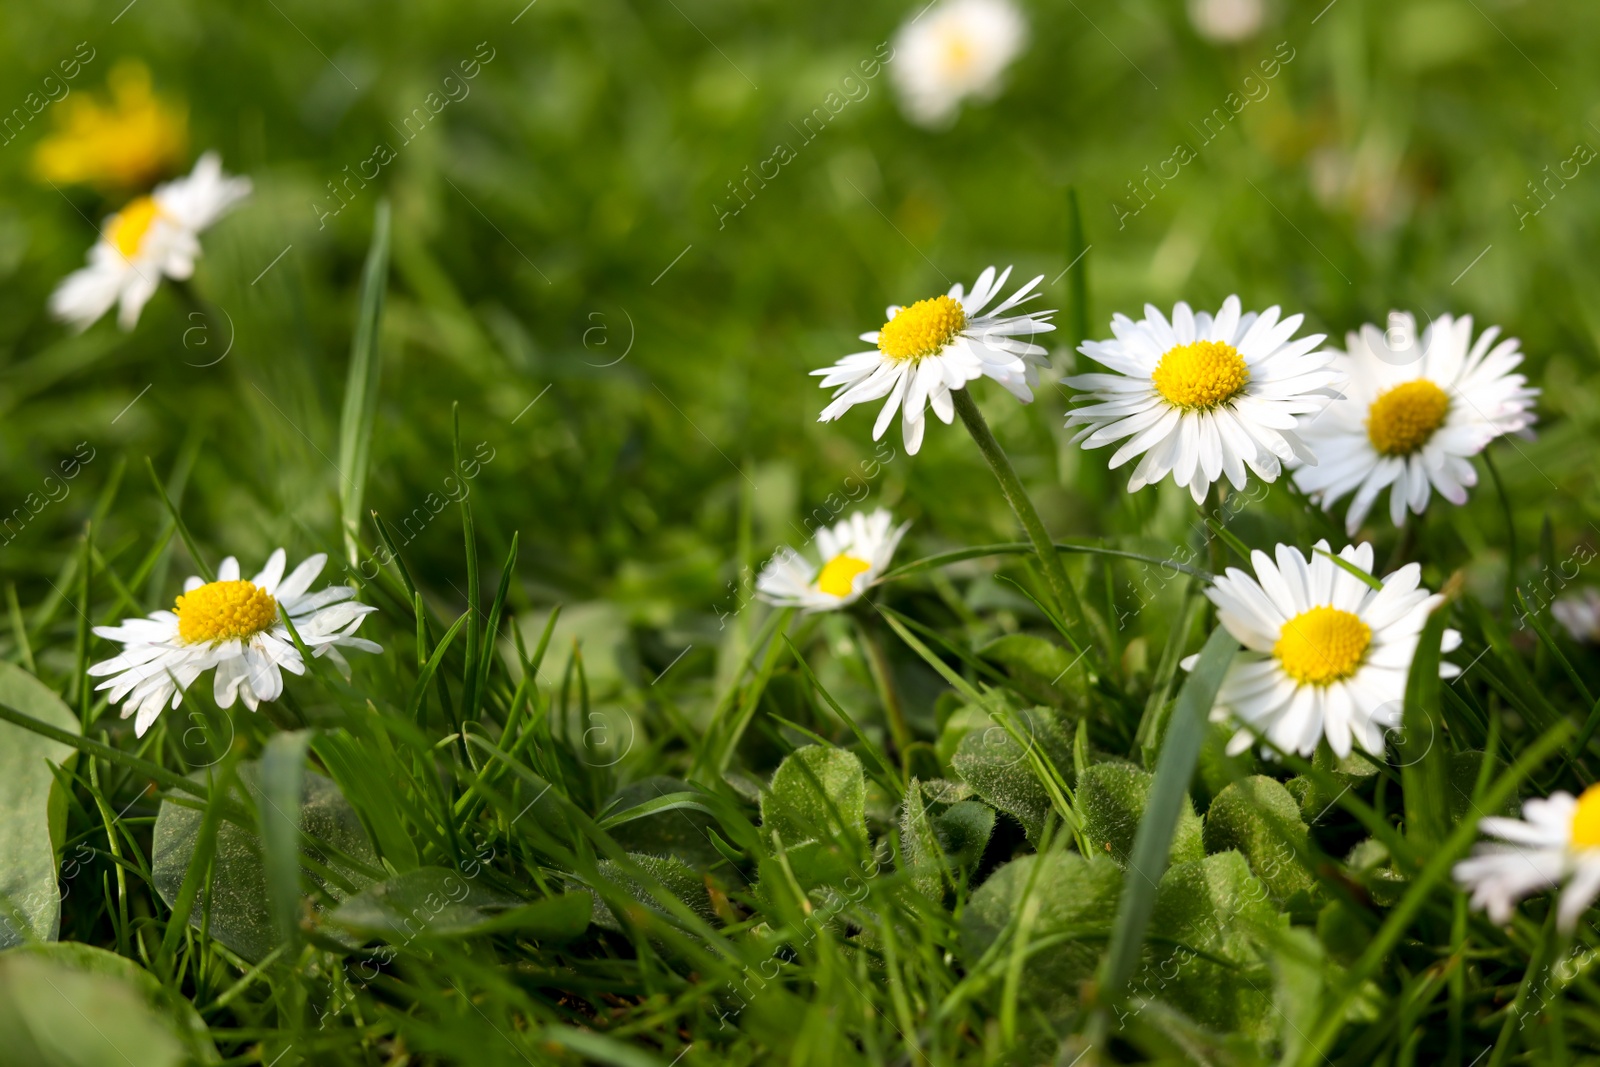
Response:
column 360, row 412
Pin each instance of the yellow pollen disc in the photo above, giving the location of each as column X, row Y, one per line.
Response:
column 1586, row 820
column 1402, row 419
column 223, row 611
column 923, row 329
column 957, row 53
column 838, row 575
column 1201, row 375
column 127, row 228
column 1322, row 646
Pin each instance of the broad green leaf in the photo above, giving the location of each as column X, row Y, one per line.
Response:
column 34, row 810
column 1259, row 818
column 1068, row 909
column 942, row 834
column 239, row 914
column 680, row 832
column 817, row 793
column 435, row 902
column 1039, row 669
column 996, row 763
column 1209, row 923
column 1113, row 797
column 675, row 876
column 72, row 1005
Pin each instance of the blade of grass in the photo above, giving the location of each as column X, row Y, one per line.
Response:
column 1180, row 751
column 360, row 413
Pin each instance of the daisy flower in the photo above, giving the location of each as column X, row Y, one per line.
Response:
column 1557, row 840
column 936, row 345
column 1580, row 614
column 959, row 48
column 153, row 235
column 126, row 144
column 1325, row 654
column 1203, row 396
column 1412, row 418
column 235, row 627
column 855, row 553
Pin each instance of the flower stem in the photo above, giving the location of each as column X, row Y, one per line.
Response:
column 1055, row 574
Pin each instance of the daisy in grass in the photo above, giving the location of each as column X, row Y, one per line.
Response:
column 1325, row 654
column 235, row 627
column 1557, row 840
column 1580, row 614
column 953, row 50
column 1201, row 396
column 126, row 144
column 937, row 345
column 151, row 236
column 1410, row 421
column 854, row 554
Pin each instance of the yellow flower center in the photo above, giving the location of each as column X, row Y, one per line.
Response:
column 838, row 575
column 1201, row 375
column 1322, row 646
column 957, row 52
column 1586, row 820
column 223, row 611
column 127, row 227
column 923, row 329
column 1402, row 419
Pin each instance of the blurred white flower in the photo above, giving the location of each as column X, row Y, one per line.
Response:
column 1203, row 396
column 1325, row 654
column 1580, row 614
column 151, row 236
column 1226, row 21
column 854, row 553
column 953, row 50
column 1556, row 840
column 936, row 345
column 236, row 627
column 1414, row 413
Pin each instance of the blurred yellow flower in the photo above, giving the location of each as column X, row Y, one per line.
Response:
column 125, row 144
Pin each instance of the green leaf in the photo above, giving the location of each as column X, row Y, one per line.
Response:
column 688, row 885
column 360, row 412
column 996, row 763
column 1213, row 917
column 942, row 833
column 1259, row 818
column 1067, row 902
column 679, row 831
column 278, row 814
column 1113, row 798
column 71, row 1005
column 1168, row 799
column 817, row 793
column 335, row 851
column 34, row 809
column 436, row 903
column 1038, row 668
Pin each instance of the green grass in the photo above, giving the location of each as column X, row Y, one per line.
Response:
column 568, row 378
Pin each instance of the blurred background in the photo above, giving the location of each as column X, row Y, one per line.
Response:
column 583, row 263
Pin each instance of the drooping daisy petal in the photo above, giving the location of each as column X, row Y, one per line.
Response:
column 1412, row 415
column 938, row 345
column 1325, row 655
column 1202, row 396
column 234, row 627
column 853, row 553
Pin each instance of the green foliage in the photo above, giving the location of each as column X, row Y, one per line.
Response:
column 1009, row 760
column 1258, row 818
column 35, row 810
column 1112, row 798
